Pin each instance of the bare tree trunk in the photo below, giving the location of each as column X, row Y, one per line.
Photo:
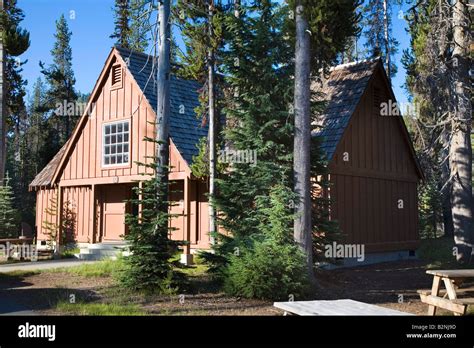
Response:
column 446, row 192
column 163, row 107
column 301, row 152
column 212, row 126
column 387, row 42
column 3, row 113
column 460, row 154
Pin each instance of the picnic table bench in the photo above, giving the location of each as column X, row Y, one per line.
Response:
column 335, row 307
column 452, row 280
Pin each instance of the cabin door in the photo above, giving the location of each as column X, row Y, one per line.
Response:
column 114, row 208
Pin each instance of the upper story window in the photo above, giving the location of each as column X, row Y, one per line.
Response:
column 116, row 76
column 116, row 143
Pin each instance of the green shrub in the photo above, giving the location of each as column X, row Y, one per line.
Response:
column 269, row 265
column 268, row 271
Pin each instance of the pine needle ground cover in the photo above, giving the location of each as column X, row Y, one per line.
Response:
column 92, row 289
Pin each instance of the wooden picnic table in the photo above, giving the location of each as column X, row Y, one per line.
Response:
column 335, row 307
column 452, row 280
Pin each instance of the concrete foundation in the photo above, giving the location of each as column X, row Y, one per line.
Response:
column 370, row 259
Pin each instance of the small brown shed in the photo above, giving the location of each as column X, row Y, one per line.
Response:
column 371, row 159
column 372, row 164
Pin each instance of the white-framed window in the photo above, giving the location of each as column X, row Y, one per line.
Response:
column 116, row 144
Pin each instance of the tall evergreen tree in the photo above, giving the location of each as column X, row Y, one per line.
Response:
column 61, row 92
column 13, row 42
column 122, row 13
column 8, row 215
column 202, row 29
column 378, row 33
column 140, row 12
column 315, row 50
column 460, row 150
column 257, row 69
column 438, row 78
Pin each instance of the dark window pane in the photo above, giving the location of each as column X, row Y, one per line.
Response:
column 112, row 159
column 119, row 127
column 114, row 128
column 125, row 158
column 107, row 150
column 106, row 160
column 119, row 138
column 125, row 127
column 107, row 129
column 119, row 159
column 107, row 139
column 125, row 137
column 113, row 149
column 114, row 139
column 125, row 148
column 119, row 148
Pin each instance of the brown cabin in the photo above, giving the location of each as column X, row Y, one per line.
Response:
column 372, row 164
column 92, row 176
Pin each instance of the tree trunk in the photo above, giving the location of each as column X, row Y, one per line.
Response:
column 212, row 126
column 387, row 42
column 163, row 107
column 446, row 193
column 460, row 154
column 301, row 165
column 3, row 113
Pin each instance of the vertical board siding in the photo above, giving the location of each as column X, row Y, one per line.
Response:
column 380, row 171
column 126, row 103
column 44, row 199
column 367, row 212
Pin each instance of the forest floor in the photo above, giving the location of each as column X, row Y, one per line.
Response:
column 92, row 290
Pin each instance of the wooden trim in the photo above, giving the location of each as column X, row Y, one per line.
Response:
column 392, row 246
column 365, row 173
column 187, row 210
column 93, row 214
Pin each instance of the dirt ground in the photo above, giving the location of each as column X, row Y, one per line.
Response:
column 391, row 285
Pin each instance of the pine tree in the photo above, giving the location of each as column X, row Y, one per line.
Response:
column 14, row 42
column 378, row 33
column 438, row 78
column 140, row 12
column 202, row 28
column 8, row 215
column 61, row 91
column 148, row 267
column 257, row 66
column 122, row 13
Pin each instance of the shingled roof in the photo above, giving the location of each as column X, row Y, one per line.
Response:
column 45, row 177
column 342, row 91
column 185, row 128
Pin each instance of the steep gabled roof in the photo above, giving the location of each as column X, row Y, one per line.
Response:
column 342, row 91
column 185, row 128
